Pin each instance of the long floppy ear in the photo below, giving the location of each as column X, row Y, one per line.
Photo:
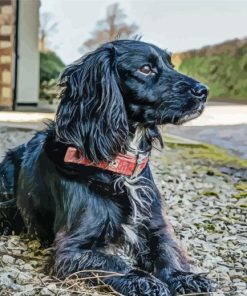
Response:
column 91, row 115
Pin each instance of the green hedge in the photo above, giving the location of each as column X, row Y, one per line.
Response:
column 225, row 74
column 50, row 66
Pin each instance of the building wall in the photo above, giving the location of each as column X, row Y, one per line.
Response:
column 7, row 36
column 28, row 54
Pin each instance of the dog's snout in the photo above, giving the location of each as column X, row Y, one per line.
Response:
column 200, row 91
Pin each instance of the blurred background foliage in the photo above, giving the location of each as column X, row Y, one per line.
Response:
column 50, row 67
column 114, row 26
column 50, row 63
column 223, row 67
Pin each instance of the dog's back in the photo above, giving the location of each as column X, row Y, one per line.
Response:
column 9, row 171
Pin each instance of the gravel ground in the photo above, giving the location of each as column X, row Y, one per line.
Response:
column 208, row 211
column 206, row 204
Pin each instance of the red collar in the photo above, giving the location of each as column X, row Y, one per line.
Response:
column 124, row 164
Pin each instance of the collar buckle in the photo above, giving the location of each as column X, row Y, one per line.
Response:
column 139, row 164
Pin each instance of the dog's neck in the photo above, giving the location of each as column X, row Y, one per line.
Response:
column 141, row 138
column 135, row 139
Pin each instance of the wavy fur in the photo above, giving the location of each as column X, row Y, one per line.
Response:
column 91, row 112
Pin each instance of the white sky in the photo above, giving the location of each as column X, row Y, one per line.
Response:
column 174, row 24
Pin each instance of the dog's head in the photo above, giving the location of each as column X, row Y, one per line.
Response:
column 121, row 83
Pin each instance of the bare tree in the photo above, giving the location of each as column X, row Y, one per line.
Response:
column 47, row 28
column 112, row 27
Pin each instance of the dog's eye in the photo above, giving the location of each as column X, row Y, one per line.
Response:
column 146, row 69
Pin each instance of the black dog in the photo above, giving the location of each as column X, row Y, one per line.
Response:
column 75, row 183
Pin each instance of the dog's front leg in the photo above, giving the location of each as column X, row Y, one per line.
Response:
column 73, row 258
column 171, row 263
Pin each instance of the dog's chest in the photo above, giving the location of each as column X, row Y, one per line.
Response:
column 135, row 217
column 126, row 244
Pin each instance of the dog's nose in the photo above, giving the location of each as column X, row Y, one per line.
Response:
column 200, row 91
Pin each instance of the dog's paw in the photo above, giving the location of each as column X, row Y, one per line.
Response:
column 139, row 283
column 147, row 285
column 183, row 282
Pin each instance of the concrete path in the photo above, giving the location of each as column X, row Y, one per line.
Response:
column 221, row 115
column 214, row 114
column 24, row 117
column 222, row 125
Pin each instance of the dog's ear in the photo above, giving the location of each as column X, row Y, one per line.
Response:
column 91, row 115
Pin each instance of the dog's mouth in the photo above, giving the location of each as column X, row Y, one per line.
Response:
column 192, row 114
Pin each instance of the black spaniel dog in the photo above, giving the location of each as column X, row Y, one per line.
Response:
column 84, row 183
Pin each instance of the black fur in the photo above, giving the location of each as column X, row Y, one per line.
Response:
column 107, row 98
